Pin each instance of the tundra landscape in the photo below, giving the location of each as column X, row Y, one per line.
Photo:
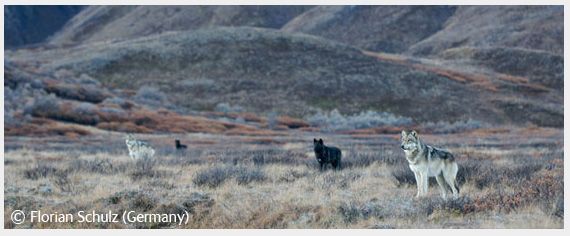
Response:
column 247, row 89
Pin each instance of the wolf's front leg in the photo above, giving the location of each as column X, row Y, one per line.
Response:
column 425, row 184
column 418, row 183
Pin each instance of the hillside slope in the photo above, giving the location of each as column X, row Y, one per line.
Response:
column 33, row 24
column 377, row 28
column 430, row 30
column 98, row 23
column 525, row 27
column 265, row 70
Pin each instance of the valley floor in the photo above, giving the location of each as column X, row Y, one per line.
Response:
column 509, row 178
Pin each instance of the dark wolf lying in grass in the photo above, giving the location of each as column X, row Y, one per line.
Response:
column 179, row 145
column 326, row 154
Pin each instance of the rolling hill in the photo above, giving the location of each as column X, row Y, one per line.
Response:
column 265, row 70
column 25, row 25
column 391, row 29
column 422, row 63
column 99, row 23
column 524, row 27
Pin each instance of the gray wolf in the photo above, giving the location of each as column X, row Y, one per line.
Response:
column 426, row 161
column 326, row 155
column 178, row 145
column 138, row 149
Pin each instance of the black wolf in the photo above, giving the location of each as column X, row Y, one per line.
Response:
column 178, row 145
column 326, row 154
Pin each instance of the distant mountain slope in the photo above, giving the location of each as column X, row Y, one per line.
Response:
column 266, row 70
column 526, row 27
column 540, row 67
column 33, row 24
column 430, row 30
column 98, row 23
column 377, row 28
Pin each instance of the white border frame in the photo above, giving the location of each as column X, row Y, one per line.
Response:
column 288, row 232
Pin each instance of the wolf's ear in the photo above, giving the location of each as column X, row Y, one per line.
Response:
column 321, row 141
column 404, row 133
column 314, row 140
column 414, row 133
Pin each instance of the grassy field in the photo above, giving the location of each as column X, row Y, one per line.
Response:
column 509, row 178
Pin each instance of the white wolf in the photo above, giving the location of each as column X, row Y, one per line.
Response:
column 426, row 161
column 138, row 149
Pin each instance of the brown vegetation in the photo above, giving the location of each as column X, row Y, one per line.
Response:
column 86, row 93
column 46, row 128
column 236, row 183
column 291, row 122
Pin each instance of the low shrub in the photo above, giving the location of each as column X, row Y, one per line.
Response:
column 246, row 176
column 290, row 122
column 101, row 166
column 226, row 107
column 151, row 96
column 214, row 177
column 459, row 206
column 86, row 93
column 403, row 175
column 120, row 102
column 144, row 168
column 45, row 127
column 133, row 200
column 337, row 179
column 367, row 159
column 68, row 111
column 351, row 212
column 40, row 170
column 260, row 157
column 445, row 127
column 334, row 121
column 82, row 113
column 544, row 191
column 197, row 199
column 484, row 174
column 62, row 181
column 42, row 106
column 142, row 202
column 110, row 114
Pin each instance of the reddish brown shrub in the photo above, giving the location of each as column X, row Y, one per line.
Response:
column 123, row 127
column 544, row 190
column 247, row 116
column 292, row 123
column 109, row 114
column 86, row 93
column 378, row 130
column 75, row 112
column 44, row 127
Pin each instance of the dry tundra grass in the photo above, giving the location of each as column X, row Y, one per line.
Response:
column 512, row 179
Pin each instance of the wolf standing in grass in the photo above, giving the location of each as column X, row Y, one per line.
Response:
column 326, row 154
column 426, row 161
column 138, row 149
